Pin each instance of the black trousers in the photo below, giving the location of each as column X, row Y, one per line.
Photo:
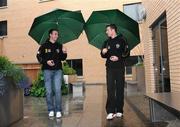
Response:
column 115, row 90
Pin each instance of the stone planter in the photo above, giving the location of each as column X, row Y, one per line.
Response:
column 11, row 102
column 70, row 78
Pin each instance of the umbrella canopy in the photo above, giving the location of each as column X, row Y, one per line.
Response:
column 69, row 24
column 96, row 25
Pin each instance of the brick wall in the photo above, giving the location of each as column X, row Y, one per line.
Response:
column 154, row 9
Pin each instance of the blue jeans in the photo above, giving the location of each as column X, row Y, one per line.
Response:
column 53, row 82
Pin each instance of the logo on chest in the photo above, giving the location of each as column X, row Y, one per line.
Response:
column 57, row 50
column 117, row 46
column 47, row 50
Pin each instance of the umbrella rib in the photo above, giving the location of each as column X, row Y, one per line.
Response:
column 42, row 37
column 105, row 16
column 49, row 21
column 71, row 31
column 96, row 37
column 73, row 19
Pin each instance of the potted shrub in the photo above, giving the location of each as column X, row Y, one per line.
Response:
column 69, row 73
column 38, row 87
column 12, row 78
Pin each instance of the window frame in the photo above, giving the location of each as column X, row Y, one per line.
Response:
column 43, row 1
column 5, row 6
column 71, row 65
column 128, row 4
column 5, row 35
column 126, row 71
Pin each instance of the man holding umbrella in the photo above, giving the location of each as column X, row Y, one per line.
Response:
column 115, row 49
column 51, row 52
column 50, row 55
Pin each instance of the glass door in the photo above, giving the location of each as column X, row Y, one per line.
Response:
column 161, row 57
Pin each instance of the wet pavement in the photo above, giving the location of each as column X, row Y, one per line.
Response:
column 85, row 111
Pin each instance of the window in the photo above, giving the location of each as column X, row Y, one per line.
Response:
column 3, row 3
column 3, row 28
column 133, row 11
column 131, row 60
column 77, row 65
column 128, row 70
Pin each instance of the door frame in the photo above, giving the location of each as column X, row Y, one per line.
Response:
column 158, row 25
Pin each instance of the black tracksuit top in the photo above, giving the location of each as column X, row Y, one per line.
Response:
column 51, row 51
column 117, row 46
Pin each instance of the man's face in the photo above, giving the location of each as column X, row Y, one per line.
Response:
column 54, row 35
column 109, row 31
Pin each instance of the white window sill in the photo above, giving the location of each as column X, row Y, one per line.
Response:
column 42, row 1
column 2, row 37
column 3, row 7
column 128, row 75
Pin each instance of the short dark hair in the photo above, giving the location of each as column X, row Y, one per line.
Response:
column 51, row 31
column 112, row 26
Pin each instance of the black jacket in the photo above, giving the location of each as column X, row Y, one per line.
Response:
column 51, row 51
column 117, row 46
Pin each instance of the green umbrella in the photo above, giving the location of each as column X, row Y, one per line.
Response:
column 96, row 25
column 69, row 24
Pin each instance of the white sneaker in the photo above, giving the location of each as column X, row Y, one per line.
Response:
column 110, row 116
column 51, row 114
column 58, row 115
column 118, row 114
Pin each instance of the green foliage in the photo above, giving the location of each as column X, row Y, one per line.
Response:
column 64, row 88
column 67, row 70
column 7, row 69
column 38, row 89
column 140, row 62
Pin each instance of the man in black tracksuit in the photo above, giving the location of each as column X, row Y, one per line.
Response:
column 50, row 55
column 115, row 49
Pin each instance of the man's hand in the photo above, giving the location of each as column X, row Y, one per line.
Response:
column 64, row 49
column 114, row 58
column 105, row 50
column 50, row 62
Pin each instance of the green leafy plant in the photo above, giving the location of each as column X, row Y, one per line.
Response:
column 67, row 70
column 8, row 69
column 140, row 62
column 64, row 88
column 38, row 87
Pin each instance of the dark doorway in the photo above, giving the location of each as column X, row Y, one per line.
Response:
column 161, row 56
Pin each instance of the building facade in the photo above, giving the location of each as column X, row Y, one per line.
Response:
column 21, row 49
column 161, row 38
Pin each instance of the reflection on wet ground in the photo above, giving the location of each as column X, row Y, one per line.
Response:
column 85, row 111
